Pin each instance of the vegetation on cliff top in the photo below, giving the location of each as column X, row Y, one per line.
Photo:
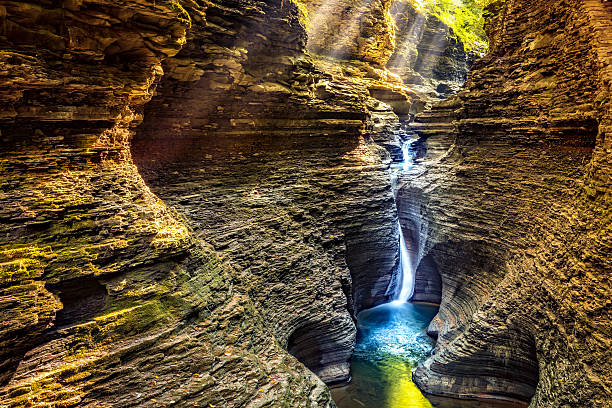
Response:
column 465, row 17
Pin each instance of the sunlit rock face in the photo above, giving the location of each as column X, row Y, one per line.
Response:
column 107, row 297
column 266, row 157
column 418, row 47
column 351, row 29
column 511, row 208
column 265, row 215
column 427, row 52
column 71, row 199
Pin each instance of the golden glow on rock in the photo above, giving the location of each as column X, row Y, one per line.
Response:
column 402, row 392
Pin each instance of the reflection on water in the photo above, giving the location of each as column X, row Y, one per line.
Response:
column 391, row 342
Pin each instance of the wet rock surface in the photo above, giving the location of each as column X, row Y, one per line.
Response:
column 509, row 203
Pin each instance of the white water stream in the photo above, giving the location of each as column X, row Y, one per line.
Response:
column 407, row 274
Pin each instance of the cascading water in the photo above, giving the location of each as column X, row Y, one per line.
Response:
column 406, row 288
column 392, row 341
column 391, row 338
column 406, row 154
column 407, row 284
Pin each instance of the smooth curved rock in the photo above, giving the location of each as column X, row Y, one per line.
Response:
column 270, row 159
column 513, row 189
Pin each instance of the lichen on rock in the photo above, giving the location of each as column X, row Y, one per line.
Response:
column 504, row 217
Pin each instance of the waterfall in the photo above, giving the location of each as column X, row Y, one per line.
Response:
column 406, row 154
column 407, row 275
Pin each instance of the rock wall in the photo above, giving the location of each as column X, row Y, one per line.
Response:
column 510, row 205
column 66, row 113
column 264, row 220
column 418, row 47
column 107, row 296
column 427, row 53
column 274, row 171
column 351, row 29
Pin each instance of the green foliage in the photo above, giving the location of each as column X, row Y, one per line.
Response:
column 465, row 17
column 302, row 9
column 184, row 16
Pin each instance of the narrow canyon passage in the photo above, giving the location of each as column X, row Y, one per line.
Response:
column 391, row 342
column 305, row 203
column 393, row 338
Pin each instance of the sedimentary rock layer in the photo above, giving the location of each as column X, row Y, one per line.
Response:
column 271, row 218
column 510, row 205
column 351, row 29
column 265, row 155
column 107, row 298
column 418, row 47
column 427, row 52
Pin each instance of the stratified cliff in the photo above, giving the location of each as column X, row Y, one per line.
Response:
column 510, row 210
column 418, row 47
column 270, row 220
column 428, row 53
column 107, row 297
column 266, row 157
column 350, row 29
column 190, row 200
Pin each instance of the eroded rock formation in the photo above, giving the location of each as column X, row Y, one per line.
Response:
column 273, row 169
column 114, row 295
column 427, row 54
column 511, row 207
column 107, row 297
column 418, row 47
column 187, row 195
column 351, row 29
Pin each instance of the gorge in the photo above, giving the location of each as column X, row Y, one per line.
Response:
column 215, row 203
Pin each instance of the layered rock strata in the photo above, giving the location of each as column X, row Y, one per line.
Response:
column 351, row 29
column 107, row 297
column 418, row 47
column 266, row 156
column 427, row 52
column 510, row 206
column 266, row 183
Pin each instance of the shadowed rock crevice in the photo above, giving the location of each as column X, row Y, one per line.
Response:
column 329, row 360
column 81, row 298
column 428, row 282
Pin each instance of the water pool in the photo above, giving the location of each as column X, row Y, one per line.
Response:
column 391, row 342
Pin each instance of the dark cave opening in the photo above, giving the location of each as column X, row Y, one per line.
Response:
column 82, row 299
column 428, row 282
column 321, row 347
